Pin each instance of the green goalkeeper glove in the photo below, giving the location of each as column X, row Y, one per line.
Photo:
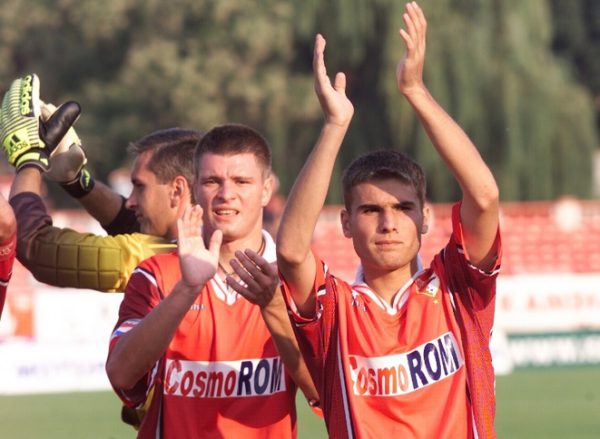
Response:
column 25, row 139
column 20, row 125
column 68, row 160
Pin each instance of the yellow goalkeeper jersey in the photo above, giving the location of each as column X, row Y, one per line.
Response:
column 66, row 258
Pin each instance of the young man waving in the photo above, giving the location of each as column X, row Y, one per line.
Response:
column 404, row 349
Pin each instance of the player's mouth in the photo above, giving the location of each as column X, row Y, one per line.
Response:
column 225, row 213
column 387, row 244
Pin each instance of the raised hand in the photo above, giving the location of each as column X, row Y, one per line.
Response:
column 26, row 139
column 258, row 278
column 198, row 264
column 409, row 71
column 336, row 106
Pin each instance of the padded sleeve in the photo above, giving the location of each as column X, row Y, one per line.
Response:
column 66, row 258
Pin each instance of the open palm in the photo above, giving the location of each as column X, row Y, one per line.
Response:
column 198, row 263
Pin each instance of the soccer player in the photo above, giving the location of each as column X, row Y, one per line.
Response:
column 187, row 348
column 162, row 175
column 403, row 350
column 8, row 238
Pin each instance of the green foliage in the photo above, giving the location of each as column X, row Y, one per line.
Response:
column 141, row 65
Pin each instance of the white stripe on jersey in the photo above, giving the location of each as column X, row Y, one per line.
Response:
column 347, row 415
column 147, row 275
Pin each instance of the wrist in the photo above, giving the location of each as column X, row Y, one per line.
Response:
column 188, row 290
column 80, row 185
column 415, row 92
column 275, row 305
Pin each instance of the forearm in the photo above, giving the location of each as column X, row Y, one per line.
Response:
column 139, row 349
column 27, row 180
column 480, row 200
column 307, row 197
column 456, row 149
column 102, row 203
column 294, row 258
column 277, row 320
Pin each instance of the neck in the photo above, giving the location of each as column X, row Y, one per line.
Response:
column 387, row 283
column 228, row 249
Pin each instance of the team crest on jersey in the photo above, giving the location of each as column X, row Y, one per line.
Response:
column 357, row 301
column 428, row 286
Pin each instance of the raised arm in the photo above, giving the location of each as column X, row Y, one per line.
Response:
column 295, row 260
column 68, row 168
column 260, row 285
column 139, row 349
column 480, row 202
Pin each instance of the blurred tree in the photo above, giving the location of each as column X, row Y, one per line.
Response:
column 140, row 65
column 577, row 39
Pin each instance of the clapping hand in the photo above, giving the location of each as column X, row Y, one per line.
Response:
column 198, row 263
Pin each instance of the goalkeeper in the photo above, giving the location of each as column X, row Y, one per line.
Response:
column 39, row 139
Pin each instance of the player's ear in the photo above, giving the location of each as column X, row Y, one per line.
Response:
column 179, row 190
column 426, row 219
column 267, row 190
column 345, row 219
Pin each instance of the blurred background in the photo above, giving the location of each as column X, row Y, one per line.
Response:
column 521, row 77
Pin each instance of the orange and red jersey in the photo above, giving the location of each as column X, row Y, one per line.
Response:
column 417, row 368
column 8, row 251
column 221, row 375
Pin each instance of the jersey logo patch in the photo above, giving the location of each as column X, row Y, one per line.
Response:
column 428, row 286
column 394, row 375
column 224, row 379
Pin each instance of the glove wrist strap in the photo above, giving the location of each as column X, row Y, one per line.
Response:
column 80, row 186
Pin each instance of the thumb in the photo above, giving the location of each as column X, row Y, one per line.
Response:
column 57, row 125
column 340, row 83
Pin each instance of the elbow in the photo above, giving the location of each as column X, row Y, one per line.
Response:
column 118, row 376
column 290, row 254
column 488, row 197
column 8, row 226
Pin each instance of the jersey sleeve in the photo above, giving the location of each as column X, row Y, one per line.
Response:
column 124, row 222
column 142, row 294
column 66, row 258
column 476, row 288
column 314, row 333
column 473, row 294
column 7, row 259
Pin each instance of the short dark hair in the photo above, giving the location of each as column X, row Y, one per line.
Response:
column 380, row 165
column 231, row 139
column 172, row 151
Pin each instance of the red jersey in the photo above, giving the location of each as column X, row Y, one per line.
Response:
column 221, row 375
column 8, row 251
column 419, row 368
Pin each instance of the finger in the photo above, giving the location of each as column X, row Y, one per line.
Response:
column 248, row 272
column 196, row 221
column 319, row 69
column 416, row 16
column 420, row 16
column 57, row 125
column 47, row 109
column 318, row 57
column 340, row 83
column 407, row 40
column 214, row 245
column 270, row 269
column 410, row 25
column 241, row 290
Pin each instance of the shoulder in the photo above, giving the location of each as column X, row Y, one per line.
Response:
column 162, row 270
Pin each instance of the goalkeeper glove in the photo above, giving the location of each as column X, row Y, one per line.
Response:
column 20, row 125
column 25, row 139
column 67, row 160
